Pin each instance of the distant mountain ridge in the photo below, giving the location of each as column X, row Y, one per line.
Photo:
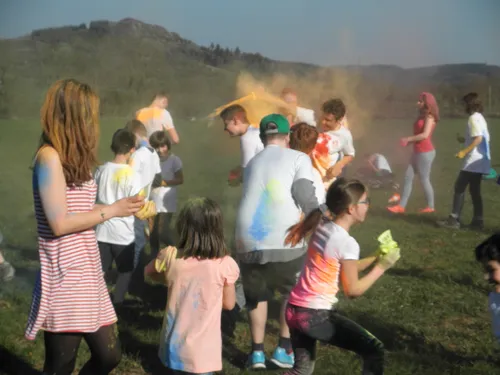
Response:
column 128, row 60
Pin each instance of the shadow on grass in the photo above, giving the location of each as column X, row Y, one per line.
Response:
column 27, row 253
column 422, row 274
column 398, row 339
column 22, row 284
column 154, row 296
column 411, row 218
column 429, row 220
column 146, row 353
column 10, row 364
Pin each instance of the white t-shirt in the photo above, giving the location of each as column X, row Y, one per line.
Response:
column 318, row 284
column 165, row 197
column 155, row 119
column 267, row 208
column 340, row 144
column 146, row 162
column 479, row 159
column 380, row 162
column 250, row 144
column 305, row 115
column 115, row 182
column 319, row 186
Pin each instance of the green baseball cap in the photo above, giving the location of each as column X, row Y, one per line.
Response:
column 274, row 124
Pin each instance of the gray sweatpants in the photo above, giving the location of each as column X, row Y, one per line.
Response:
column 421, row 164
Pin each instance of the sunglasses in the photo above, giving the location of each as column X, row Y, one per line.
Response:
column 366, row 201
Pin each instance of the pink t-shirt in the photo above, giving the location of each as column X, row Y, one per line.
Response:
column 191, row 339
column 318, row 284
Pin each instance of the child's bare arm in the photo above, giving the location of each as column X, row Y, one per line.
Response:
column 150, row 272
column 156, row 270
column 177, row 180
column 229, row 297
column 364, row 263
column 158, row 181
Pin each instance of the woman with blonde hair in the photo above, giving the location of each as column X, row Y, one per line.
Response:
column 70, row 299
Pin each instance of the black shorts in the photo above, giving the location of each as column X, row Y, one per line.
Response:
column 261, row 281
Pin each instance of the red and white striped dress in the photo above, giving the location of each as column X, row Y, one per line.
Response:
column 70, row 293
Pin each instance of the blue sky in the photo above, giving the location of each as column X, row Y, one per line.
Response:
column 327, row 32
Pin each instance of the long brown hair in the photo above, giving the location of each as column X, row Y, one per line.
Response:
column 340, row 195
column 70, row 124
column 201, row 230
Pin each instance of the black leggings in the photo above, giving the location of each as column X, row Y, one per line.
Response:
column 473, row 180
column 61, row 350
column 307, row 326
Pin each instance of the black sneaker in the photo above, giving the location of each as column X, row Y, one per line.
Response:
column 450, row 223
column 476, row 225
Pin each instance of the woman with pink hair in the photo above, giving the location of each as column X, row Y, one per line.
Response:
column 423, row 153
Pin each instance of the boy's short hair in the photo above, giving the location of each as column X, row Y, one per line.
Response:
column 122, row 142
column 159, row 139
column 160, row 95
column 234, row 111
column 136, row 127
column 303, row 137
column 335, row 107
column 473, row 103
column 489, row 249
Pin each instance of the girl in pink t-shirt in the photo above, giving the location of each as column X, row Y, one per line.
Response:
column 333, row 255
column 200, row 277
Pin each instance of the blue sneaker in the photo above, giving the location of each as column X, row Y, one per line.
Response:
column 282, row 359
column 257, row 360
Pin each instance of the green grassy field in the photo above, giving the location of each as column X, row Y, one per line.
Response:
column 430, row 310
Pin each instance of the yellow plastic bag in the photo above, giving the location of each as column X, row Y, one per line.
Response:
column 386, row 242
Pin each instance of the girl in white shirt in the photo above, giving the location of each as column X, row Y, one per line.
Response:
column 333, row 255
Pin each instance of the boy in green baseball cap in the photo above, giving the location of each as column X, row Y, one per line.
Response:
column 273, row 124
column 277, row 188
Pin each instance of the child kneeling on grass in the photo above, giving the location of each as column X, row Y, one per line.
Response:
column 488, row 254
column 333, row 255
column 377, row 173
column 200, row 277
